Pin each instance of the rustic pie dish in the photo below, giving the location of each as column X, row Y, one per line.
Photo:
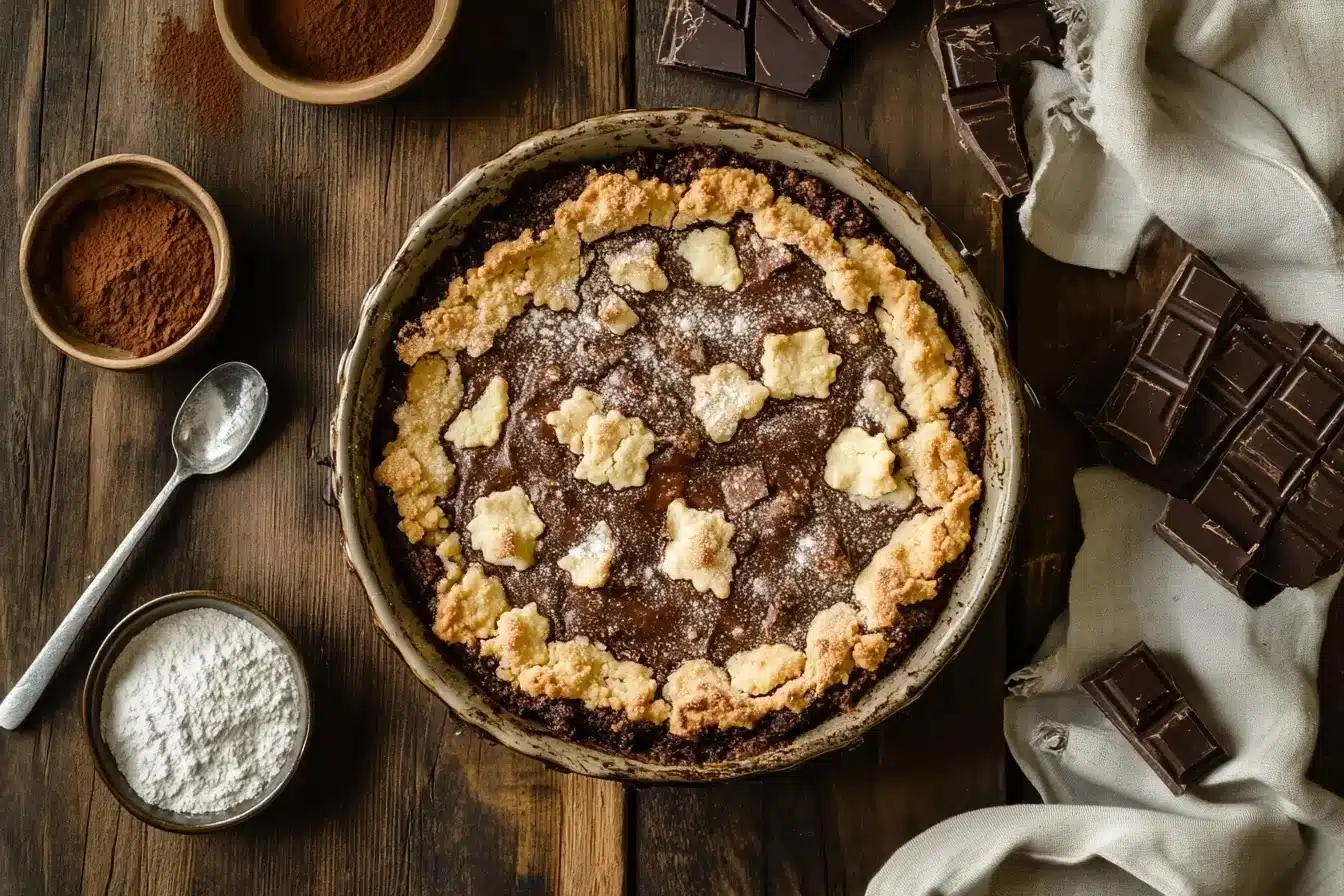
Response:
column 735, row 488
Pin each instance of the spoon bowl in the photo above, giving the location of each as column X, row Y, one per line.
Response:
column 218, row 418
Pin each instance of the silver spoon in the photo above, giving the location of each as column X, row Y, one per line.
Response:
column 214, row 425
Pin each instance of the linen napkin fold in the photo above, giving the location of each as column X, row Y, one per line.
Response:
column 1225, row 120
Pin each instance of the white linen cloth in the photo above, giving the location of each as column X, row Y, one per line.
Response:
column 1225, row 120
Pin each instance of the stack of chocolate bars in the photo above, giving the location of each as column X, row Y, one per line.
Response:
column 1240, row 419
column 982, row 49
column 781, row 44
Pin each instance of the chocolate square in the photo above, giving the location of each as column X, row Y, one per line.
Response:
column 1145, row 704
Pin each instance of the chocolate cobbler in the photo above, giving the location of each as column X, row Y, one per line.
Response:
column 679, row 453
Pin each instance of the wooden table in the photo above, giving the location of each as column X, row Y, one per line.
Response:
column 396, row 796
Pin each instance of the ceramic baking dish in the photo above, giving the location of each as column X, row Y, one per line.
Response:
column 360, row 380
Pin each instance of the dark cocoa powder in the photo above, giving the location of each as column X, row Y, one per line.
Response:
column 339, row 40
column 192, row 66
column 134, row 270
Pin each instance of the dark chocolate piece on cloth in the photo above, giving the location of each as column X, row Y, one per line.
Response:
column 1206, row 544
column 849, row 17
column 980, row 50
column 1143, row 701
column 1306, row 542
column 695, row 38
column 790, row 53
column 1147, row 404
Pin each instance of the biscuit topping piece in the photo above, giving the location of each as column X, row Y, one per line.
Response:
column 879, row 407
column 905, row 571
column 616, row 314
column 860, row 465
column 616, row 451
column 937, row 460
column 479, row 425
column 724, row 397
column 520, row 642
column 505, row 528
column 799, row 365
column 712, row 258
column 415, row 466
column 570, row 420
column 698, row 548
column 589, row 562
column 760, row 671
column 637, row 267
column 468, row 610
column 718, row 194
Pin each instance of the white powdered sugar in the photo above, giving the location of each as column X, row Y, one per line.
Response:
column 200, row 711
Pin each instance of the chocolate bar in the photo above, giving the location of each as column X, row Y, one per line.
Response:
column 980, row 51
column 1140, row 699
column 784, row 45
column 1147, row 404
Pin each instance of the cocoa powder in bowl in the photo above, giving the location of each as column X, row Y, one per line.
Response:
column 134, row 269
column 339, row 40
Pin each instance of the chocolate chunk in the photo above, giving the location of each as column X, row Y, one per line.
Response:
column 980, row 51
column 696, row 38
column 1147, row 404
column 1140, row 699
column 743, row 486
column 790, row 54
column 1206, row 544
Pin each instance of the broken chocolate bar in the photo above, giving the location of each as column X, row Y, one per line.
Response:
column 1140, row 699
column 780, row 44
column 980, row 51
column 1147, row 404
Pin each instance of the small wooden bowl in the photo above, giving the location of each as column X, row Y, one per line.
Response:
column 99, row 178
column 134, row 623
column 251, row 56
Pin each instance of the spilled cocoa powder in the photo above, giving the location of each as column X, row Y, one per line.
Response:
column 192, row 67
column 134, row 269
column 339, row 40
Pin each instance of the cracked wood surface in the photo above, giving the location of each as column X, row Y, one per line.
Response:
column 396, row 796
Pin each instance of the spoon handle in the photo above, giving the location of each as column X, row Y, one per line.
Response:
column 39, row 674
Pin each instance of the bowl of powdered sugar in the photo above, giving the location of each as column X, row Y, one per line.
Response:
column 198, row 710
